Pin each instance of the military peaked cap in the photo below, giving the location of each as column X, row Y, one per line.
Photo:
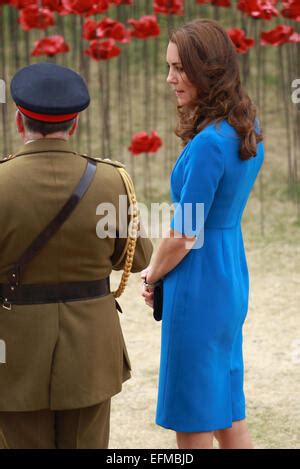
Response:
column 49, row 92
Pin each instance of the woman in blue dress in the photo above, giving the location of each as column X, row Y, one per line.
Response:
column 202, row 262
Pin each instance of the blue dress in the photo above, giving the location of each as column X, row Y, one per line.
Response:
column 206, row 294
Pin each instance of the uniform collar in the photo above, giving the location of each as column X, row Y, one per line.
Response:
column 45, row 145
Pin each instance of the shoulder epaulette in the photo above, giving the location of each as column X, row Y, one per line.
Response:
column 7, row 158
column 103, row 160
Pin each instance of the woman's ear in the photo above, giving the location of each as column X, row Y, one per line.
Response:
column 74, row 126
column 19, row 122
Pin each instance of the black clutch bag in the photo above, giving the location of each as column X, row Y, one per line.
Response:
column 158, row 300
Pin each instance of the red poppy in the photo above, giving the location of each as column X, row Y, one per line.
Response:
column 121, row 2
column 155, row 142
column 109, row 28
column 50, row 46
column 146, row 26
column 168, row 7
column 282, row 34
column 221, row 3
column 4, row 2
column 291, row 9
column 295, row 37
column 21, row 3
column 89, row 31
column 85, row 7
column 139, row 143
column 217, row 3
column 262, row 9
column 102, row 50
column 35, row 17
column 144, row 143
column 106, row 28
column 53, row 5
column 239, row 39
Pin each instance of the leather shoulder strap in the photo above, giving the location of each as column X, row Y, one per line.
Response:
column 54, row 225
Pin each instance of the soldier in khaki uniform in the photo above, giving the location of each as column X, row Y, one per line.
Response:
column 65, row 352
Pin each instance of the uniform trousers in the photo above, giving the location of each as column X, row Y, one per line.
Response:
column 84, row 428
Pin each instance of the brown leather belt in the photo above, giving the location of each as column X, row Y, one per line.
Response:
column 29, row 294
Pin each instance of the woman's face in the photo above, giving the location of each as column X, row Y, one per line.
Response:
column 185, row 91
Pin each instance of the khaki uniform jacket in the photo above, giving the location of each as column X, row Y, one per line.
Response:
column 71, row 354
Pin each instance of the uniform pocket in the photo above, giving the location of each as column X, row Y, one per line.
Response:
column 3, row 442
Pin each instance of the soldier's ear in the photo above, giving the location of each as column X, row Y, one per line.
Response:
column 20, row 123
column 74, row 126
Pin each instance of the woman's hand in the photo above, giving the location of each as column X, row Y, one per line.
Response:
column 147, row 294
column 149, row 274
column 145, row 272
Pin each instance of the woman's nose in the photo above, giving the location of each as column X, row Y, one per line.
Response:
column 171, row 79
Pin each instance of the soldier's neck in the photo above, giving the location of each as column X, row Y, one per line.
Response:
column 31, row 137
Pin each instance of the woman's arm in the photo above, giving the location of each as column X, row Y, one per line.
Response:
column 203, row 170
column 170, row 253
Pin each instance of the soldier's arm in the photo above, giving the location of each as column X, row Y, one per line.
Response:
column 142, row 255
column 143, row 249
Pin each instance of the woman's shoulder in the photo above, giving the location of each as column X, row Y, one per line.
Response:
column 205, row 146
column 214, row 133
column 221, row 130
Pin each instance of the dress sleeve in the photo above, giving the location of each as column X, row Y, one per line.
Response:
column 204, row 167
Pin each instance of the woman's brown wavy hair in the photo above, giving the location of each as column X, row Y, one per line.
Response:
column 210, row 62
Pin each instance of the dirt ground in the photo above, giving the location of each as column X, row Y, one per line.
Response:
column 271, row 356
